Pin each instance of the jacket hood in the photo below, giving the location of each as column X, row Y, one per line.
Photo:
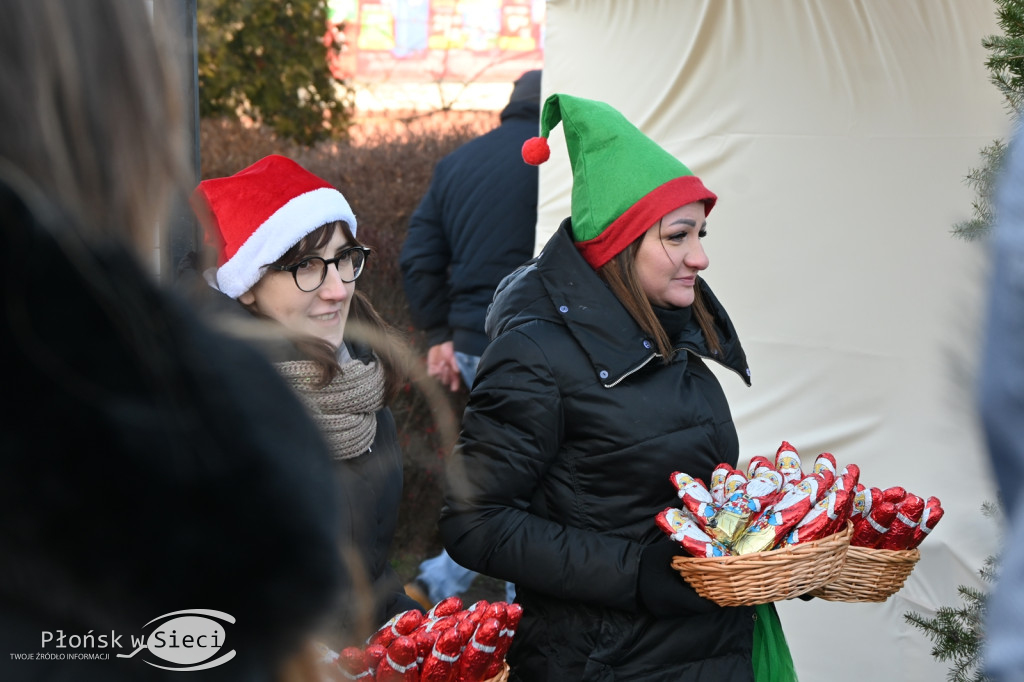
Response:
column 559, row 286
column 522, row 109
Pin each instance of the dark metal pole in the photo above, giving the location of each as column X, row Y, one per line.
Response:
column 182, row 230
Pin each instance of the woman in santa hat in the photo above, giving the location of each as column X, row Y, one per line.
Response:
column 288, row 254
column 596, row 387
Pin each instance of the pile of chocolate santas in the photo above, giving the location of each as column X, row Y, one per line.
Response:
column 447, row 644
column 775, row 504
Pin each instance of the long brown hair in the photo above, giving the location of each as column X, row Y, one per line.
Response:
column 621, row 276
column 97, row 124
column 364, row 323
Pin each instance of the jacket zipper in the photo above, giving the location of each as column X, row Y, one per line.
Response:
column 658, row 355
column 634, row 370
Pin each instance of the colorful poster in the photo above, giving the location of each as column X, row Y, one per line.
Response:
column 376, row 27
column 437, row 40
column 517, row 29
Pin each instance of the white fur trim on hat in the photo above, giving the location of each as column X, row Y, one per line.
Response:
column 281, row 231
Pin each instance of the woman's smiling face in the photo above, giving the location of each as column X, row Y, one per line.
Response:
column 671, row 256
column 321, row 313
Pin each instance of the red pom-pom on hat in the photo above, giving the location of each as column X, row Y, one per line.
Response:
column 536, row 151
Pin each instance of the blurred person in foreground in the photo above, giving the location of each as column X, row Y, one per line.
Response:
column 288, row 260
column 1002, row 412
column 148, row 465
column 476, row 224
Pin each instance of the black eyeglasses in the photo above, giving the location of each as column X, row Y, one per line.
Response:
column 310, row 273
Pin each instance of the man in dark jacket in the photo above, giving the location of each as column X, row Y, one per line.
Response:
column 475, row 225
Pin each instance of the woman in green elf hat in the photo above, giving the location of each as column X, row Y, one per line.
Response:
column 593, row 391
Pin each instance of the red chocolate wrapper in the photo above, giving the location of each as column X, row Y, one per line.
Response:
column 400, row 624
column 424, row 644
column 868, row 530
column 374, row 655
column 895, row 494
column 864, row 500
column 476, row 612
column 825, row 482
column 846, row 488
column 769, row 528
column 696, row 498
column 354, row 663
column 761, row 533
column 829, row 513
column 787, row 462
column 735, row 481
column 465, row 628
column 931, row 515
column 436, row 624
column 825, row 461
column 718, row 477
column 733, row 517
column 687, row 533
column 496, row 610
column 399, row 663
column 446, row 607
column 686, row 484
column 479, row 652
column 901, row 531
column 758, row 464
column 513, row 613
column 765, row 487
column 439, row 665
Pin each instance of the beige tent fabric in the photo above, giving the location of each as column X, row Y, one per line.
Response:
column 837, row 134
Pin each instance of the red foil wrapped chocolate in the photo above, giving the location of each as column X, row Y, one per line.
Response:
column 931, row 515
column 901, row 530
column 399, row 662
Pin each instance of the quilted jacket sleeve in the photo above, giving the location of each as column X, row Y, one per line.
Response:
column 494, row 515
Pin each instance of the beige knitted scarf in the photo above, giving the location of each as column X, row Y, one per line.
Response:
column 345, row 409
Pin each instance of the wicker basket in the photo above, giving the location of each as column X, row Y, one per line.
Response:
column 764, row 577
column 502, row 676
column 871, row 575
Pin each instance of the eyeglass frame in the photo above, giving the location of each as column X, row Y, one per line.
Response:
column 294, row 269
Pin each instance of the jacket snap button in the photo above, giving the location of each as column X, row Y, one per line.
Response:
column 604, row 374
column 647, row 343
column 563, row 308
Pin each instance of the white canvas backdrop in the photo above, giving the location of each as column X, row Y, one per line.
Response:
column 837, row 135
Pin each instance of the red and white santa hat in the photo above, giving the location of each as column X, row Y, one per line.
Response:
column 260, row 212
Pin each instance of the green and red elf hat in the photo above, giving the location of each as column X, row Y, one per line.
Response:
column 623, row 181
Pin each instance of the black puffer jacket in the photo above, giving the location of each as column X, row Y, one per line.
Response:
column 572, row 430
column 475, row 224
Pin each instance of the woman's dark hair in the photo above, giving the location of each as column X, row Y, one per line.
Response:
column 381, row 336
column 621, row 276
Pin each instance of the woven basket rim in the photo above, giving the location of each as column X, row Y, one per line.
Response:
column 870, row 575
column 836, row 540
column 769, row 576
column 888, row 555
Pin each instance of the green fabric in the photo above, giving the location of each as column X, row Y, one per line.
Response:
column 771, row 658
column 614, row 165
